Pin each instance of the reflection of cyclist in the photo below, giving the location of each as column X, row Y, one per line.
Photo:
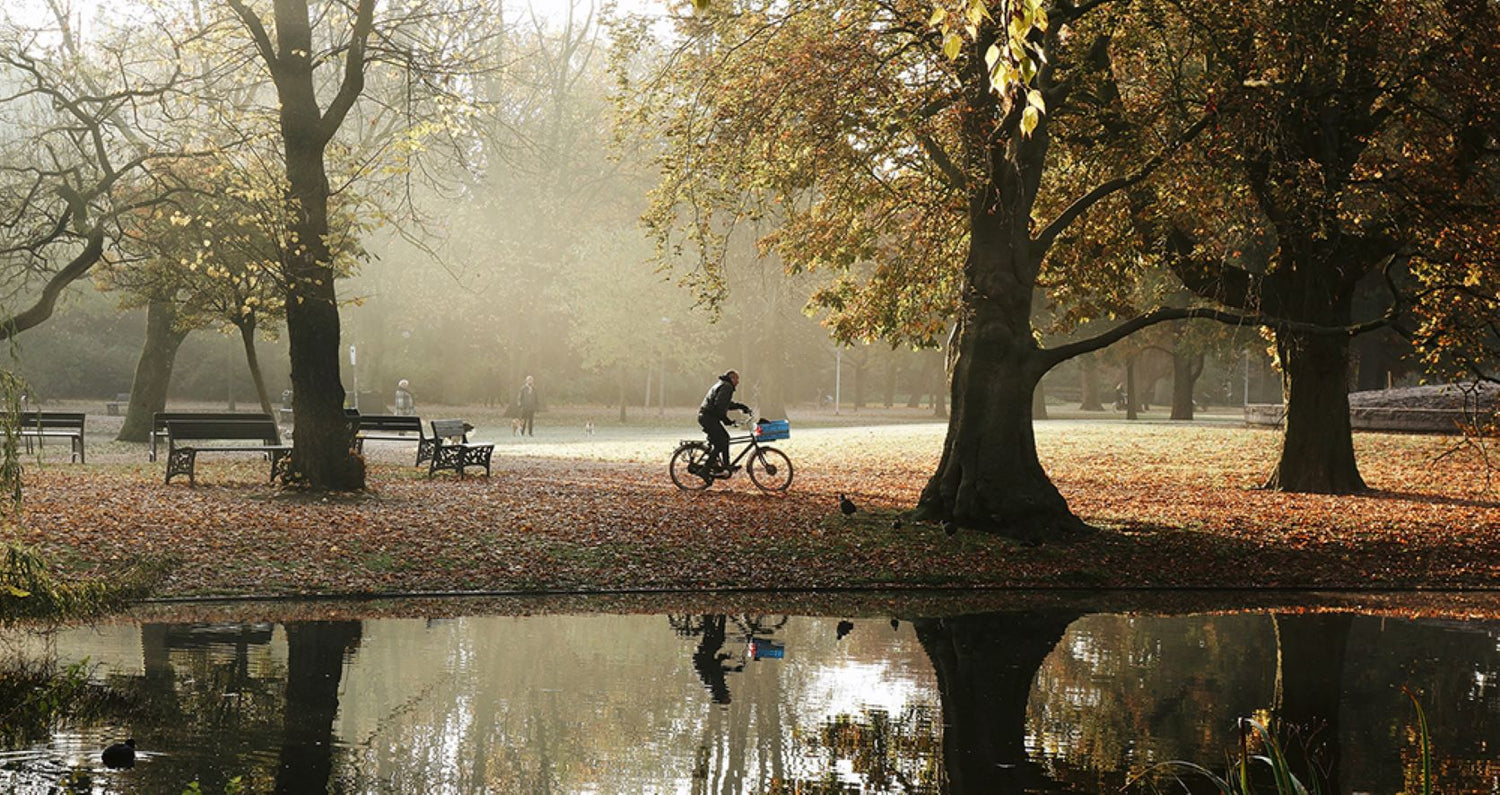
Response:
column 713, row 415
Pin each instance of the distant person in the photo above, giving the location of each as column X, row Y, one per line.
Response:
column 526, row 403
column 713, row 415
column 406, row 405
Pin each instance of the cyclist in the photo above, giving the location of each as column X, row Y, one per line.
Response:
column 713, row 415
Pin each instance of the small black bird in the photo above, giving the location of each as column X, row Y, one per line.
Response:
column 844, row 627
column 896, row 523
column 847, row 505
column 950, row 527
column 895, row 623
column 120, row 755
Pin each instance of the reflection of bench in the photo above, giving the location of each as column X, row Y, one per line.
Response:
column 160, row 419
column 40, row 425
column 392, row 428
column 112, row 408
column 182, row 452
column 451, row 448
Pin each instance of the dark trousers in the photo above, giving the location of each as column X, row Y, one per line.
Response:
column 718, row 437
column 526, row 417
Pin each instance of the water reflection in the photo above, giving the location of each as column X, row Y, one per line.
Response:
column 1002, row 702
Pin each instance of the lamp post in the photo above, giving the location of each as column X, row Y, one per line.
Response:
column 354, row 373
column 661, row 378
column 838, row 378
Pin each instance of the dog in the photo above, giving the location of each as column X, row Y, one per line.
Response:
column 515, row 426
column 588, row 429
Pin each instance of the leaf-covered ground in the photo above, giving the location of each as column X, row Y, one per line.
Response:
column 1175, row 504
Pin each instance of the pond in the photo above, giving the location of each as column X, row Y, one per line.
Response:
column 1019, row 696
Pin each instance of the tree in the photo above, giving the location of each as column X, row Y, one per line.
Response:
column 79, row 137
column 205, row 258
column 434, row 49
column 905, row 151
column 321, row 453
column 1324, row 177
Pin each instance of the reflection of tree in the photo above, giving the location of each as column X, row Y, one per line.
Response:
column 1125, row 692
column 1309, row 689
column 202, row 709
column 889, row 752
column 315, row 664
column 1454, row 668
column 985, row 665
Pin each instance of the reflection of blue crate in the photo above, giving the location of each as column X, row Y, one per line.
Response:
column 771, row 430
column 762, row 649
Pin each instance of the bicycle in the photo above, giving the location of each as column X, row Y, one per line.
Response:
column 770, row 469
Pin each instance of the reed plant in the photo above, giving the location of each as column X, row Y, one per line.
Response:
column 1262, row 765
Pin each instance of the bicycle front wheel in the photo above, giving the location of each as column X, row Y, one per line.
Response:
column 689, row 467
column 770, row 469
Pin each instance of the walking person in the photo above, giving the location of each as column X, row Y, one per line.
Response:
column 406, row 405
column 526, row 403
column 713, row 415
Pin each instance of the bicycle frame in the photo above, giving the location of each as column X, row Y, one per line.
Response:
column 750, row 442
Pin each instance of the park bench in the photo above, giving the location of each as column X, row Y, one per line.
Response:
column 160, row 419
column 122, row 400
column 185, row 438
column 392, row 428
column 40, row 425
column 451, row 448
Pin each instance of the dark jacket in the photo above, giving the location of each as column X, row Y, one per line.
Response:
column 526, row 399
column 720, row 400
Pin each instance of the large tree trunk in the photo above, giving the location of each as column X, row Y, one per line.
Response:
column 315, row 665
column 989, row 477
column 252, row 360
column 322, row 456
column 1089, row 369
column 1317, row 450
column 1186, row 367
column 985, row 665
column 1309, row 691
column 153, row 372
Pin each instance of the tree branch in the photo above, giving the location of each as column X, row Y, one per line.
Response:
column 354, row 71
column 1051, row 357
column 1081, row 205
column 257, row 33
column 73, row 271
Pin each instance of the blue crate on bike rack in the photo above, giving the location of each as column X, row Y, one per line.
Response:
column 771, row 430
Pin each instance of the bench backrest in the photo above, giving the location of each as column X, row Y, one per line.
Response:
column 450, row 429
column 122, row 397
column 52, row 419
column 261, row 429
column 160, row 419
column 389, row 422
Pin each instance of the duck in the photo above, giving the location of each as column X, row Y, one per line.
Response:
column 120, row 755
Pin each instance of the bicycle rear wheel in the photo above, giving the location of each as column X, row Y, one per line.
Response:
column 770, row 469
column 690, row 466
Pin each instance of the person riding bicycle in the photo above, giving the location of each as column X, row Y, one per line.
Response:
column 713, row 415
